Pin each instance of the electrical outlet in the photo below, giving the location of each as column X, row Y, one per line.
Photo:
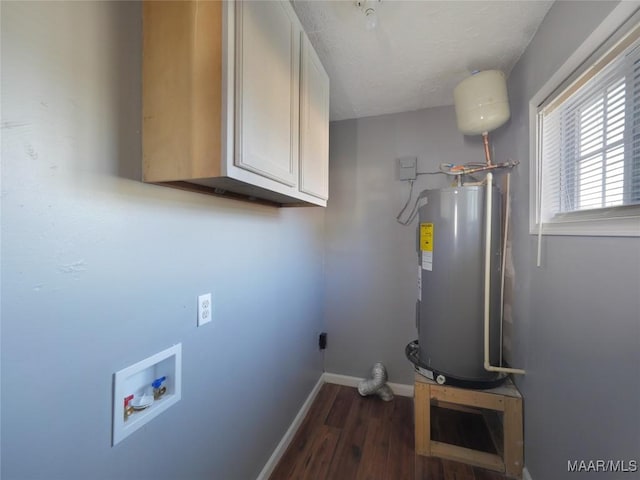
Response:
column 205, row 309
column 322, row 341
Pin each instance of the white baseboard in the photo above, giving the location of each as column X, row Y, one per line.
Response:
column 340, row 379
column 277, row 454
column 525, row 474
column 398, row 388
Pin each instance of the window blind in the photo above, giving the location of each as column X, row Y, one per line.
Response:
column 589, row 134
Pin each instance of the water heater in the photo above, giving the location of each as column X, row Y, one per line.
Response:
column 459, row 254
column 450, row 307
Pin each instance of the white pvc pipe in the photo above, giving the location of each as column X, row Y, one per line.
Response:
column 487, row 283
column 507, row 214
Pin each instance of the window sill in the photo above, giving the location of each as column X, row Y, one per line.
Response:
column 588, row 225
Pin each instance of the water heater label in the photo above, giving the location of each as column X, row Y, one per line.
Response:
column 426, row 245
column 427, row 261
column 426, row 237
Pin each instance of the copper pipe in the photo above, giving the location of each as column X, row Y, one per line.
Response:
column 487, row 154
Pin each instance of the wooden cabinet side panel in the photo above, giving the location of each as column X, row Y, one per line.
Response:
column 207, row 85
column 182, row 90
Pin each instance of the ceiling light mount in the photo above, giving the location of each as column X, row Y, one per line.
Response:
column 368, row 8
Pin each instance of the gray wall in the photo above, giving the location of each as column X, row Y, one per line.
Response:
column 577, row 318
column 372, row 264
column 100, row 271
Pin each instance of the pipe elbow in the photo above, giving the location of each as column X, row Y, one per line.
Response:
column 373, row 385
column 385, row 393
column 367, row 387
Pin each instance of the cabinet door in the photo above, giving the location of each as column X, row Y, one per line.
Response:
column 314, row 124
column 267, row 90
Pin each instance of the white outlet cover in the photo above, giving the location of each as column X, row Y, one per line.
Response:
column 205, row 309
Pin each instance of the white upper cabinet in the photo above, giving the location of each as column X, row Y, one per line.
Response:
column 267, row 90
column 314, row 123
column 232, row 104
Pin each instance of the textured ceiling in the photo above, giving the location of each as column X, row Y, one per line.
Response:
column 419, row 51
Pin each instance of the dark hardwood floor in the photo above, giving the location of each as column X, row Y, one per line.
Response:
column 347, row 437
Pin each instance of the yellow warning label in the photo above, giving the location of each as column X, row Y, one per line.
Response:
column 426, row 237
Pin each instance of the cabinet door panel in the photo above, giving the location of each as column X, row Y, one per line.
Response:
column 267, row 68
column 314, row 124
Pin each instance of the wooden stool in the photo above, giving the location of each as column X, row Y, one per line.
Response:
column 505, row 399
